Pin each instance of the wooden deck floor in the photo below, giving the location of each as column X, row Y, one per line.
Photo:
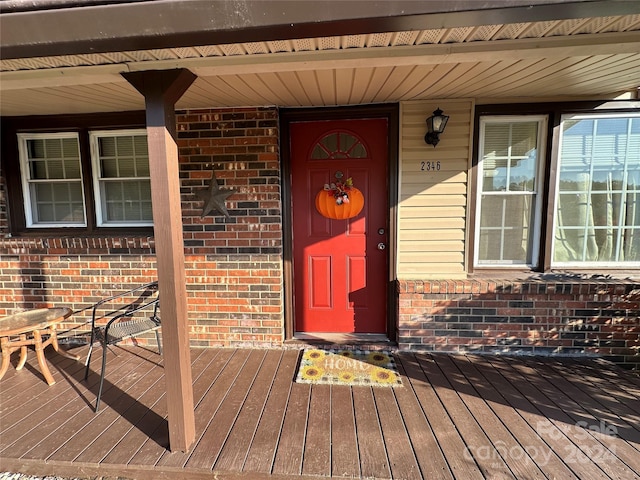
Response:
column 463, row 417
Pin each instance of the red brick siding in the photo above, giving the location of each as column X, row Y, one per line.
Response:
column 563, row 316
column 233, row 266
column 241, row 145
column 4, row 219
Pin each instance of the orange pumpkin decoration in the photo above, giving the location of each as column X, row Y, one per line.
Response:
column 328, row 207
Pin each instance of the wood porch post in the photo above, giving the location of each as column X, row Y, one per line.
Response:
column 161, row 89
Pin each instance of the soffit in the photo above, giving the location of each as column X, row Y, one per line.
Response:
column 65, row 27
column 580, row 57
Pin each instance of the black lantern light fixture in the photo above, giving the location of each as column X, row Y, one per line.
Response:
column 435, row 126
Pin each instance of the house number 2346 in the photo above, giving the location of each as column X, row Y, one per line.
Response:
column 430, row 166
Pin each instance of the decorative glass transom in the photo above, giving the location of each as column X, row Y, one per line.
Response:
column 338, row 145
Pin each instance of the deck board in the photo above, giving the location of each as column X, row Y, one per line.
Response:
column 477, row 444
column 446, row 433
column 490, row 385
column 208, row 407
column 126, row 410
column 606, row 424
column 32, row 392
column 236, row 448
column 553, row 425
column 494, row 429
column 136, row 436
column 455, row 417
column 612, row 411
column 64, row 405
column 572, row 414
column 224, row 418
column 429, row 456
column 138, row 403
column 373, row 455
column 208, row 365
column 290, row 449
column 402, row 461
column 317, row 448
column 610, row 371
column 263, row 447
column 345, row 460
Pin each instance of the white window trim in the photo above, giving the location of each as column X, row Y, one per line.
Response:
column 95, row 169
column 606, row 265
column 26, row 184
column 537, row 223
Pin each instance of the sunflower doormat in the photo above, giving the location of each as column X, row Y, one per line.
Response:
column 348, row 367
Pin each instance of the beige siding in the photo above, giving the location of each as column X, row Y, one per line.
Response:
column 433, row 197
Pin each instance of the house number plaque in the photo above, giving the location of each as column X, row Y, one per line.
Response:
column 430, row 166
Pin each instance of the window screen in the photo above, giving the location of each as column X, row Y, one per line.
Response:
column 52, row 180
column 121, row 176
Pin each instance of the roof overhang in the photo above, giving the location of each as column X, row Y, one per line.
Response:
column 505, row 50
column 68, row 27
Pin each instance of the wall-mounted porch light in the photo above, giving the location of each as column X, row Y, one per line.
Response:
column 435, row 126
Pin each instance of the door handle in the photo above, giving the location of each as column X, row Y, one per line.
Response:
column 381, row 246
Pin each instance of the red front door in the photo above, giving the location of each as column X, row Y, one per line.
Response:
column 340, row 266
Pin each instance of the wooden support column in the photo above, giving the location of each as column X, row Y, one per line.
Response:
column 161, row 89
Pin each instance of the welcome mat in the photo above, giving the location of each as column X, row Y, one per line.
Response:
column 348, row 367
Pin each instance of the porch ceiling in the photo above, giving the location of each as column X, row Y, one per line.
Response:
column 591, row 57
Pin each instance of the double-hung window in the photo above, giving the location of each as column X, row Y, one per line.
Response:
column 52, row 180
column 591, row 210
column 56, row 193
column 121, row 179
column 510, row 169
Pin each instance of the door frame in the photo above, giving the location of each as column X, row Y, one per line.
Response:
column 391, row 112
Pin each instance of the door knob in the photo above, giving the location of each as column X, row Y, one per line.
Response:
column 381, row 246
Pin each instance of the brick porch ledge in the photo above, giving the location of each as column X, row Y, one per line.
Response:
column 548, row 314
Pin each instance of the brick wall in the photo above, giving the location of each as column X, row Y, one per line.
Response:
column 4, row 220
column 233, row 265
column 535, row 316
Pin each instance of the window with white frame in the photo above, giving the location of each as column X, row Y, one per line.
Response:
column 55, row 193
column 508, row 195
column 52, row 180
column 592, row 209
column 121, row 178
column 597, row 217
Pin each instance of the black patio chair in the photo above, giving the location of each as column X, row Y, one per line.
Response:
column 120, row 317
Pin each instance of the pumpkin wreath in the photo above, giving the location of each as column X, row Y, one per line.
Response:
column 339, row 200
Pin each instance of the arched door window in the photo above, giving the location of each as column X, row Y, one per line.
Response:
column 337, row 145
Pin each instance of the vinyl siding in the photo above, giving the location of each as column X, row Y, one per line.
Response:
column 433, row 203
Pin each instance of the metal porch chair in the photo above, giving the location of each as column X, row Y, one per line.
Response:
column 120, row 317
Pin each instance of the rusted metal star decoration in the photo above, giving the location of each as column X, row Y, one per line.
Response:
column 214, row 197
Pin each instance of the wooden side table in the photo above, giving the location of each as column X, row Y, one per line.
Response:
column 20, row 330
